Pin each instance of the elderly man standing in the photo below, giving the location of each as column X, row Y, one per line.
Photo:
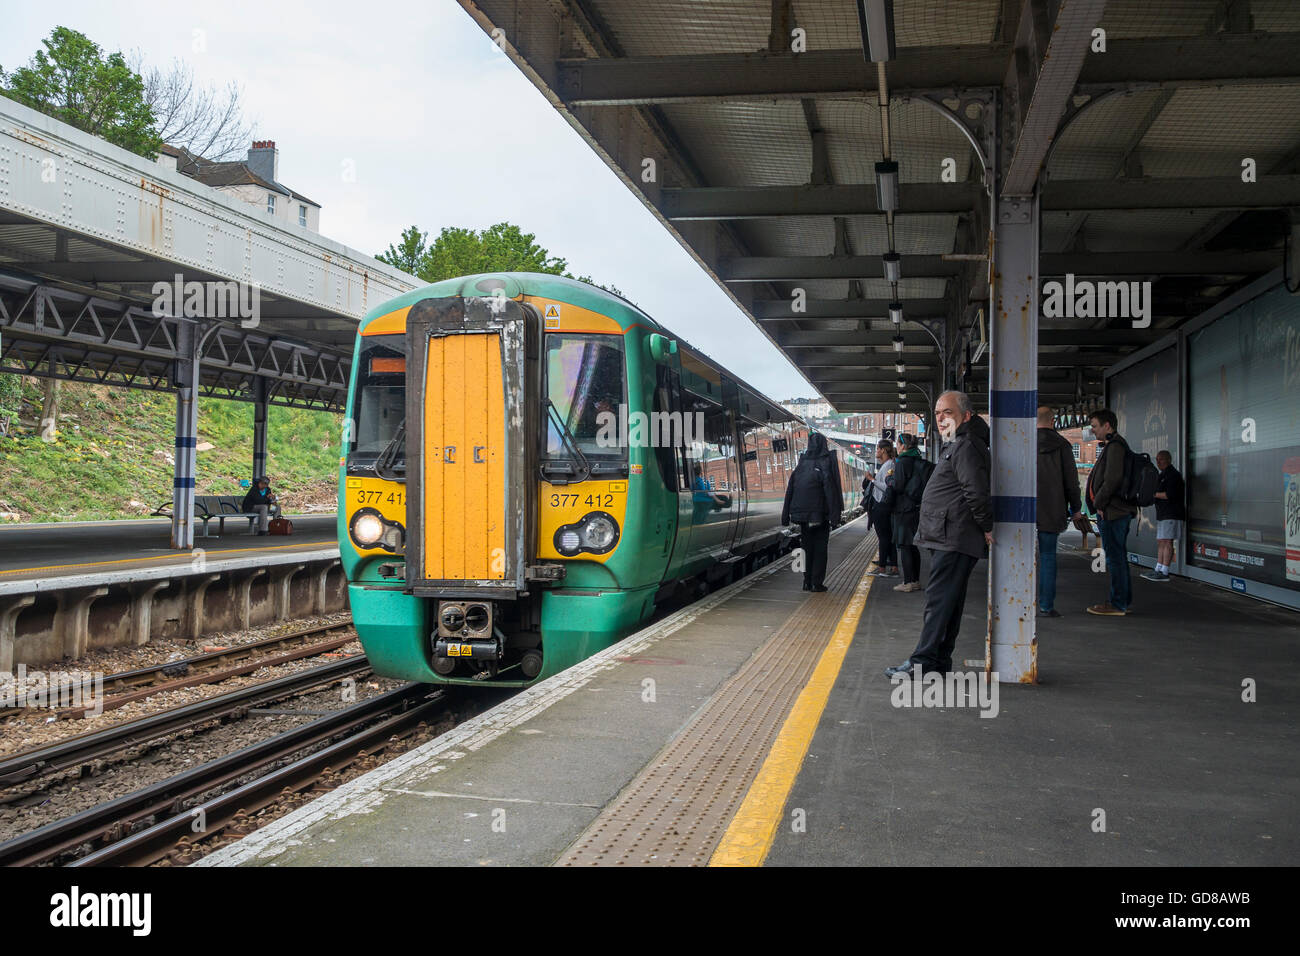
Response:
column 956, row 525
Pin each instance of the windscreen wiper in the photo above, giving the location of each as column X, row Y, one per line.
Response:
column 386, row 466
column 571, row 443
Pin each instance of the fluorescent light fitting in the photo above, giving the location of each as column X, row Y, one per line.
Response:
column 887, row 186
column 893, row 266
column 876, row 20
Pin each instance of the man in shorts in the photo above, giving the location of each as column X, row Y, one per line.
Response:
column 1171, row 512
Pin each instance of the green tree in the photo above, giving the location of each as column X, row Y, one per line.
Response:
column 500, row 248
column 465, row 252
column 409, row 254
column 73, row 81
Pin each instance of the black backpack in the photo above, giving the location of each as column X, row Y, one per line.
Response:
column 1141, row 478
column 916, row 482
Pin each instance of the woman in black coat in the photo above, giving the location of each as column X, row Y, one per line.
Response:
column 814, row 501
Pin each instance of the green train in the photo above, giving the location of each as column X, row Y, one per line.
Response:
column 530, row 464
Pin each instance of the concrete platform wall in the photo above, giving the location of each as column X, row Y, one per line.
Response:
column 63, row 621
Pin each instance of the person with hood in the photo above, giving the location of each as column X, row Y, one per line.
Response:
column 956, row 526
column 1058, row 502
column 814, row 501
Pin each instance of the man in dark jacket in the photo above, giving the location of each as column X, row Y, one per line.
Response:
column 1058, row 500
column 1171, row 512
column 956, row 525
column 1114, row 514
column 905, row 505
column 814, row 501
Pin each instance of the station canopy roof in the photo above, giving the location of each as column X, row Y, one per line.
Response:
column 761, row 160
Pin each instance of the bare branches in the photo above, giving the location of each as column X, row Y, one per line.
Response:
column 206, row 121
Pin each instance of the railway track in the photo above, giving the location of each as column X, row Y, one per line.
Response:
column 84, row 748
column 210, row 668
column 166, row 818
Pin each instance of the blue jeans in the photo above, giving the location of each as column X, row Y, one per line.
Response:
column 1114, row 541
column 1047, row 570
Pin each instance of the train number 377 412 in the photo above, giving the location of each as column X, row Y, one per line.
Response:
column 376, row 497
column 591, row 501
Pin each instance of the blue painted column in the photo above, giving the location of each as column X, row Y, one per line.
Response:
column 186, row 380
column 1013, row 403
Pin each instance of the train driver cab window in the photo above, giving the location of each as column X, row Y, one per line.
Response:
column 584, row 404
column 377, row 430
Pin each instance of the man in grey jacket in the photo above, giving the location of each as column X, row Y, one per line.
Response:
column 956, row 525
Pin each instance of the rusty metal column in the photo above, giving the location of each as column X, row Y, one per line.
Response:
column 186, row 379
column 259, row 427
column 1012, row 651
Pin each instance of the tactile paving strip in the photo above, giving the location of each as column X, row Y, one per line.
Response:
column 677, row 809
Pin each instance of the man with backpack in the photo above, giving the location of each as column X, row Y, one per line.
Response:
column 1106, row 494
column 907, row 485
column 1058, row 500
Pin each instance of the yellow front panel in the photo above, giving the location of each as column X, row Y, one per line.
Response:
column 559, row 505
column 464, row 448
column 386, row 497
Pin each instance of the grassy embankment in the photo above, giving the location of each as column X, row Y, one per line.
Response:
column 112, row 453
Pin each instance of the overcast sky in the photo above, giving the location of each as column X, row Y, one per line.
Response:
column 441, row 129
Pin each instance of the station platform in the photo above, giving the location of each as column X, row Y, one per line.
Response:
column 757, row 727
column 56, row 552
column 66, row 588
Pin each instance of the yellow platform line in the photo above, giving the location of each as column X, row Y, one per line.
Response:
column 752, row 830
column 173, row 556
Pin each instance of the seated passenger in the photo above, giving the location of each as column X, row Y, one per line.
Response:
column 262, row 502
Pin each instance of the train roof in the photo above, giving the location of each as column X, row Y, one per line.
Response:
column 586, row 296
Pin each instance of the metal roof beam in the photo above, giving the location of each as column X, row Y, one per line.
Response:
column 761, row 202
column 780, row 310
column 1221, row 60
column 1047, row 337
column 798, row 268
column 1052, row 41
column 765, row 202
column 803, row 268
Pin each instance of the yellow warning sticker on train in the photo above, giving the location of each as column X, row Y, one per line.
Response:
column 552, row 316
column 453, row 650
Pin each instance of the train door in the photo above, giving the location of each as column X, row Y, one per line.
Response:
column 714, row 504
column 675, row 522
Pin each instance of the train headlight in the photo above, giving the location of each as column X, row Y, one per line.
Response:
column 596, row 533
column 370, row 529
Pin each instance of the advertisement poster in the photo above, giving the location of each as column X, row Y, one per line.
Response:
column 1244, row 442
column 1144, row 398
